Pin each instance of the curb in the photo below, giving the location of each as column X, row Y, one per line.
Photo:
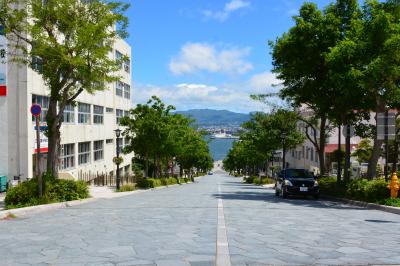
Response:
column 21, row 212
column 43, row 208
column 366, row 205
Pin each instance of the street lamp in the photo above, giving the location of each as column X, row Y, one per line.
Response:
column 118, row 135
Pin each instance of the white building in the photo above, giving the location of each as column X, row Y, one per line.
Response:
column 87, row 134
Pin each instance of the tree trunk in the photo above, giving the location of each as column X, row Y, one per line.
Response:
column 321, row 148
column 347, row 165
column 376, row 150
column 146, row 165
column 54, row 135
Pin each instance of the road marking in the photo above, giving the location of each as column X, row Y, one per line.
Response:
column 223, row 257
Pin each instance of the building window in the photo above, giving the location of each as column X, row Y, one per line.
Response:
column 98, row 114
column 43, row 101
column 119, row 115
column 118, row 56
column 69, row 114
column 307, row 153
column 316, row 157
column 67, row 157
column 98, row 149
column 83, row 113
column 109, row 110
column 126, row 113
column 119, row 89
column 126, row 141
column 109, row 141
column 37, row 64
column 293, row 153
column 312, row 154
column 83, row 153
column 302, row 154
column 127, row 91
column 127, row 65
column 120, row 144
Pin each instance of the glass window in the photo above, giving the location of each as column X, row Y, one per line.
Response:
column 98, row 149
column 43, row 101
column 83, row 113
column 312, row 154
column 120, row 144
column 109, row 110
column 118, row 56
column 307, row 153
column 302, row 155
column 67, row 156
column 127, row 65
column 127, row 91
column 98, row 114
column 109, row 141
column 83, row 153
column 69, row 114
column 119, row 115
column 316, row 157
column 119, row 89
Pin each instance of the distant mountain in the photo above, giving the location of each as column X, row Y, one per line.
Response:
column 209, row 117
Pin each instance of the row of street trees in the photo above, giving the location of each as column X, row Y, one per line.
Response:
column 164, row 139
column 262, row 136
column 342, row 63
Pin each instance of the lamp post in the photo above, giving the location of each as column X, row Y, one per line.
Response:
column 118, row 135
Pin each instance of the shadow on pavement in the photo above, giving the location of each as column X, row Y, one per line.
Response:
column 265, row 195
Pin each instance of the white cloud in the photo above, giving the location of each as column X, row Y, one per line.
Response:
column 195, row 57
column 265, row 82
column 190, row 96
column 229, row 7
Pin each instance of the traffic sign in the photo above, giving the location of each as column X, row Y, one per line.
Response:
column 36, row 110
column 382, row 127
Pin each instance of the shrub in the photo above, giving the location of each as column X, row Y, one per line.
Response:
column 251, row 179
column 127, row 187
column 169, row 181
column 149, row 183
column 390, row 202
column 359, row 189
column 55, row 190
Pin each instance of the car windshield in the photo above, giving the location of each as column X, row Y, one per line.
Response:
column 297, row 173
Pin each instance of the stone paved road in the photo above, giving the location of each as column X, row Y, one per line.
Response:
column 178, row 226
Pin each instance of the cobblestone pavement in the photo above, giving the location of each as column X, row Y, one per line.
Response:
column 178, row 226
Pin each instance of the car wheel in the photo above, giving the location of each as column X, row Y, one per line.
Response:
column 276, row 191
column 284, row 193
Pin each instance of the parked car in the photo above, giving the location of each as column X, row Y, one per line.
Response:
column 296, row 182
column 210, row 173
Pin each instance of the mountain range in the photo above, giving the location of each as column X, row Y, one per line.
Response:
column 210, row 117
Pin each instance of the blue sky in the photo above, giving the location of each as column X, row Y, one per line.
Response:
column 206, row 53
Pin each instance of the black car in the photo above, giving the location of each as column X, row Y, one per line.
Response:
column 296, row 182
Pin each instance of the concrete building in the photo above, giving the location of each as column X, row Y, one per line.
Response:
column 87, row 135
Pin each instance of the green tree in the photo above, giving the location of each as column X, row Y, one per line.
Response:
column 299, row 59
column 363, row 151
column 72, row 40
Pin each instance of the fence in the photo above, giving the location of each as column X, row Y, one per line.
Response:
column 105, row 179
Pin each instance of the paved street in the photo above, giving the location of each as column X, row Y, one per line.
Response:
column 178, row 226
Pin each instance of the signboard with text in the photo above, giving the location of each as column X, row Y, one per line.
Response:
column 3, row 63
column 44, row 142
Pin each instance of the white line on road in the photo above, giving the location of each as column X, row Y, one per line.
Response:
column 223, row 258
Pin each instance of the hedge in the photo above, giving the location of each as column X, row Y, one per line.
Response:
column 256, row 180
column 374, row 191
column 55, row 190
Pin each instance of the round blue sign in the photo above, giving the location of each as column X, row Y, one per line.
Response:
column 36, row 110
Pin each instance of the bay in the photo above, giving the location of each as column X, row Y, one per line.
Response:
column 219, row 148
